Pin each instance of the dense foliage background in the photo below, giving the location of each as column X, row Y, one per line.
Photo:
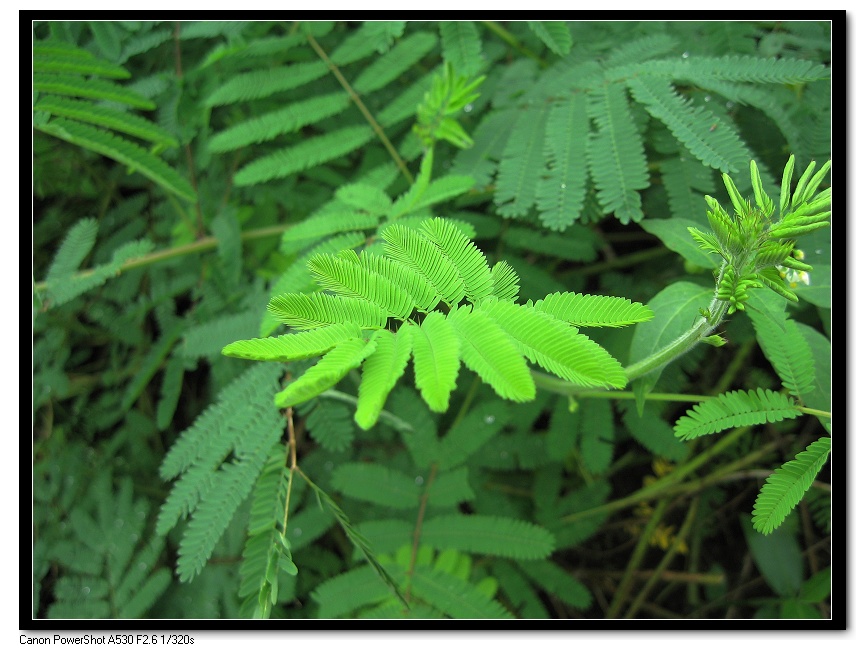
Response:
column 185, row 172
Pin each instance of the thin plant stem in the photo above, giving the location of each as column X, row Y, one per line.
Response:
column 362, row 107
column 663, row 484
column 636, row 557
column 428, row 485
column 190, row 161
column 673, row 577
column 732, row 371
column 198, row 246
column 622, row 261
column 418, row 527
column 733, row 595
column 291, row 451
column 563, row 387
column 511, row 40
column 641, row 596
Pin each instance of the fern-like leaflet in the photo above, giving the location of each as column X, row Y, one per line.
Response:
column 483, row 329
column 59, row 69
column 787, row 485
column 735, row 409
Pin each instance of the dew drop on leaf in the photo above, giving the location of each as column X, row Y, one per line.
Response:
column 685, row 55
column 489, row 419
column 418, row 480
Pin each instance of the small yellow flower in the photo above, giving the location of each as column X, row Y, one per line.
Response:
column 661, row 466
column 794, row 277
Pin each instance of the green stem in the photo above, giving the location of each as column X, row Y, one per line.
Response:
column 198, row 246
column 621, row 262
column 386, row 416
column 563, row 387
column 511, row 40
column 702, row 328
column 818, row 412
column 636, row 558
column 665, row 561
column 362, row 108
column 723, row 384
column 662, row 485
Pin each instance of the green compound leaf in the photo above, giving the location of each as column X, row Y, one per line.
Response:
column 423, row 296
column 59, row 57
column 435, row 348
column 307, row 311
column 76, row 246
column 421, row 255
column 287, row 119
column 381, row 370
column 471, row 433
column 521, row 164
column 676, row 235
column 121, row 150
column 787, row 351
column 487, row 535
column 461, row 46
column 377, row 484
column 333, row 366
column 490, row 352
column 717, row 147
column 618, row 177
column 465, row 256
column 453, row 596
column 561, row 189
column 735, row 409
column 556, row 34
column 593, row 311
column 292, row 347
column 128, row 123
column 506, row 283
column 309, row 153
column 555, row 580
column 263, row 83
column 73, row 86
column 367, row 198
column 344, row 275
column 787, row 485
column 556, row 346
column 343, row 594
